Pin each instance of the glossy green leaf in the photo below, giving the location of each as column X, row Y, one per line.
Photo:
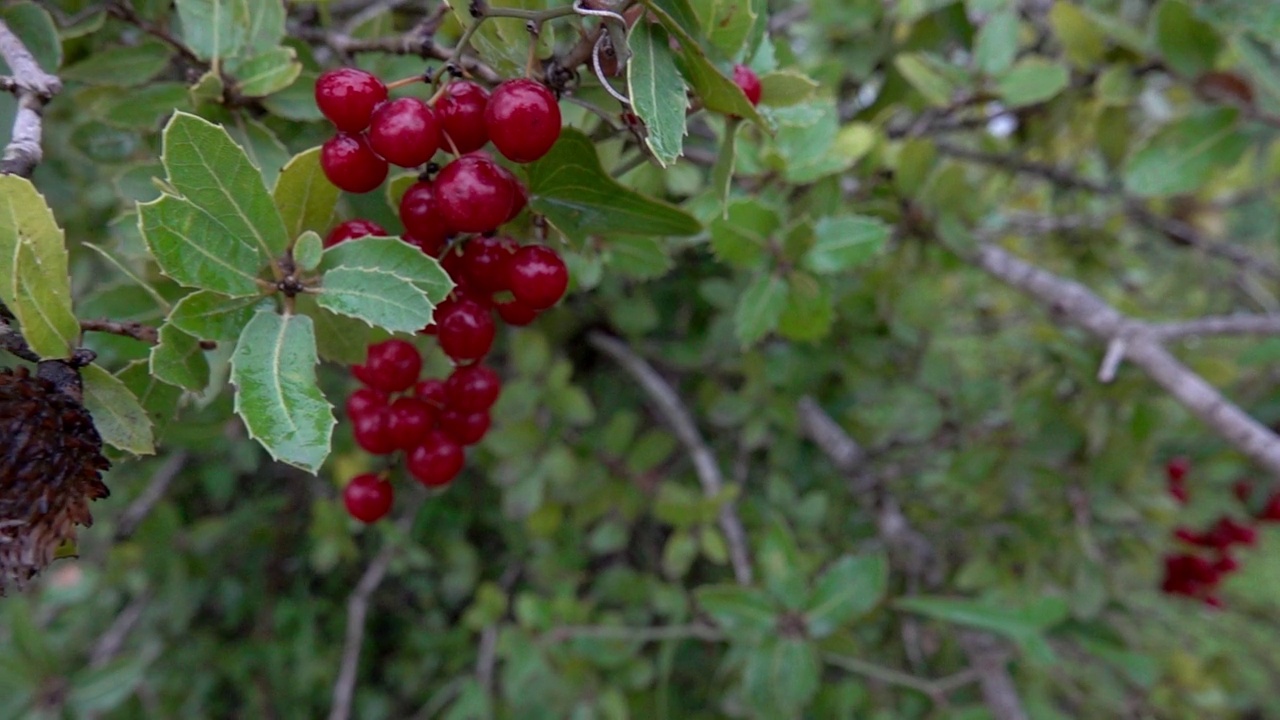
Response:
column 852, row 586
column 308, row 251
column 178, row 360
column 214, row 28
column 143, row 108
column 760, row 308
column 196, row 249
column 843, row 242
column 304, row 197
column 213, row 316
column 657, row 91
column 118, row 416
column 745, row 613
column 267, row 73
column 570, row 187
column 1183, row 156
column 727, row 24
column 382, row 299
column 391, row 255
column 1033, row 80
column 33, row 269
column 273, row 369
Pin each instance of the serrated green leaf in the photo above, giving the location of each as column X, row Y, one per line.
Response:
column 569, row 186
column 782, row 675
column 1183, row 156
column 213, row 28
column 304, row 197
column 214, row 316
column 197, row 250
column 178, row 360
column 1033, row 80
column 657, row 91
column 742, row 237
column 760, row 308
column 391, row 255
column 267, row 73
column 308, row 251
column 34, row 283
column 121, row 66
column 118, row 416
column 273, row 369
column 745, row 613
column 852, row 586
column 844, row 242
column 380, row 298
column 783, row 88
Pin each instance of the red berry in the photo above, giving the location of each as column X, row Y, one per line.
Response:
column 537, row 276
column 484, row 262
column 353, row 229
column 465, row 330
column 521, row 192
column 452, row 263
column 364, row 401
column 437, row 460
column 408, row 421
column 432, row 247
column 1226, row 565
column 473, row 194
column 370, row 431
column 350, row 164
column 1214, row 602
column 472, row 388
column 348, row 96
column 1271, row 511
column 404, row 131
column 515, row 313
column 1176, row 469
column 1187, row 535
column 368, row 497
column 460, row 112
column 467, row 428
column 420, row 213
column 390, row 366
column 523, row 120
column 431, row 390
column 746, row 78
column 1179, row 493
column 1243, row 490
column 1235, row 533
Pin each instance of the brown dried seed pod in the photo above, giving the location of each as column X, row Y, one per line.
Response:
column 51, row 467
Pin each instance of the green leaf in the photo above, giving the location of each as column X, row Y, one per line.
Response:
column 178, row 360
column 142, row 108
column 760, row 308
column 1189, row 45
column 121, row 66
column 265, row 26
column 638, row 257
column 727, row 24
column 844, row 242
column 120, row 419
column 657, row 91
column 1026, row 626
column 392, row 255
column 810, row 309
column 264, row 149
column 741, row 612
column 214, row 28
column 304, row 197
column 338, row 339
column 919, row 70
column 1084, row 42
column 1183, row 156
column 273, row 369
column 852, row 586
column 101, row 689
column 726, row 164
column 1033, row 80
column 996, row 44
column 213, row 316
column 308, row 251
column 267, row 73
column 569, row 186
column 197, row 250
column 785, row 88
column 34, row 283
column 781, row 565
column 378, row 297
column 743, row 236
column 781, row 676
column 159, row 399
column 208, row 168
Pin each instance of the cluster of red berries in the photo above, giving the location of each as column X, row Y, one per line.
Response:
column 1199, row 569
column 430, row 420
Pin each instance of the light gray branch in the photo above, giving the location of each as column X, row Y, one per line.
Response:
column 678, row 418
column 33, row 87
column 1221, row 325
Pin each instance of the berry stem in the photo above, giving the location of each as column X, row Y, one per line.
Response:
column 405, row 82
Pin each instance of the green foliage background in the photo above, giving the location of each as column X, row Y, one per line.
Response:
column 576, row 569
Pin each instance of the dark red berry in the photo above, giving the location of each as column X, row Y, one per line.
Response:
column 1271, row 511
column 484, row 262
column 521, row 192
column 1226, row 565
column 1177, row 468
column 467, row 428
column 348, row 96
column 460, row 112
column 352, row 229
column 404, row 132
column 1179, row 493
column 368, row 497
column 432, row 391
column 1243, row 490
column 472, row 388
column 452, row 263
column 350, row 164
column 363, row 401
column 437, row 460
column 1232, row 532
column 370, row 431
column 515, row 313
column 465, row 331
column 390, row 366
column 408, row 421
column 473, row 194
column 523, row 120
column 420, row 213
column 1187, row 535
column 537, row 276
column 746, row 78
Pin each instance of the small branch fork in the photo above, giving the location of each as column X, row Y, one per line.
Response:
column 33, row 88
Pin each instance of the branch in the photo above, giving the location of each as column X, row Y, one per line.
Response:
column 12, row 341
column 1222, row 325
column 696, row 631
column 1082, row 308
column 678, row 418
column 111, row 642
column 33, row 88
column 142, row 506
column 988, row 659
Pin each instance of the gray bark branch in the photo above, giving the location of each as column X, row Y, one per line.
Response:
column 33, row 88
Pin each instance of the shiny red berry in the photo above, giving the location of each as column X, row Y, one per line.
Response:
column 390, row 366
column 521, row 192
column 537, row 276
column 420, row 213
column 746, row 78
column 432, row 391
column 404, row 132
column 484, row 262
column 352, row 229
column 437, row 460
column 523, row 119
column 473, row 194
column 368, row 497
column 348, row 96
column 460, row 112
column 351, row 165
column 472, row 388
column 370, row 430
column 452, row 264
column 364, row 401
column 465, row 331
column 467, row 428
column 408, row 421
column 515, row 313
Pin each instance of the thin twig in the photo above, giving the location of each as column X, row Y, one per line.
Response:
column 937, row 690
column 695, row 631
column 1220, row 325
column 111, row 642
column 142, row 506
column 33, row 88
column 678, row 418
